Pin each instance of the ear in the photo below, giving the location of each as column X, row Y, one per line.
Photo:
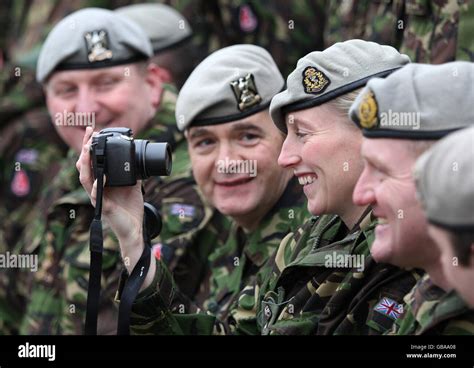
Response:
column 165, row 75
column 155, row 83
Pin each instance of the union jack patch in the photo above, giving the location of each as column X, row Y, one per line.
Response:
column 390, row 308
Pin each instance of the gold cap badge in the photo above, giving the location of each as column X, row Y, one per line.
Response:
column 314, row 80
column 368, row 111
column 245, row 92
column 97, row 46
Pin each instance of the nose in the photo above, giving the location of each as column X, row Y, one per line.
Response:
column 86, row 101
column 363, row 192
column 288, row 156
column 226, row 156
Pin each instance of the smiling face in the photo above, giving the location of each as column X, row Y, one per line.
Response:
column 387, row 185
column 323, row 150
column 235, row 166
column 459, row 276
column 121, row 96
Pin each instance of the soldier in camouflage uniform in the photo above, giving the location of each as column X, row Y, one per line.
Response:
column 428, row 31
column 30, row 148
column 223, row 107
column 448, row 168
column 280, row 26
column 387, row 182
column 323, row 280
column 60, row 287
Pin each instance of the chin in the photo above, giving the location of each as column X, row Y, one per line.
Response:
column 381, row 252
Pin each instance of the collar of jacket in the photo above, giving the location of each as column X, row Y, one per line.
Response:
column 326, row 229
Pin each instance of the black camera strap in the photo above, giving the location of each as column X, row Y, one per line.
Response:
column 133, row 284
column 96, row 246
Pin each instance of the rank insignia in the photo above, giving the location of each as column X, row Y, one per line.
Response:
column 97, row 46
column 245, row 92
column 314, row 80
column 368, row 111
column 20, row 185
column 389, row 308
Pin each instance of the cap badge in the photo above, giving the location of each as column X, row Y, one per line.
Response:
column 245, row 92
column 368, row 111
column 97, row 46
column 314, row 80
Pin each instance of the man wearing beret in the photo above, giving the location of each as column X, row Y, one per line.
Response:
column 171, row 37
column 233, row 145
column 448, row 168
column 96, row 62
column 400, row 118
column 322, row 279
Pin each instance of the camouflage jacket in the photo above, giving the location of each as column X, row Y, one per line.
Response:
column 58, row 294
column 323, row 280
column 31, row 152
column 163, row 308
column 429, row 31
column 429, row 310
column 280, row 26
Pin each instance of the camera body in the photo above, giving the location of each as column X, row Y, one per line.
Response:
column 128, row 160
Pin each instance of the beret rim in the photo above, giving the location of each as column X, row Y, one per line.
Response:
column 225, row 119
column 326, row 97
column 100, row 64
column 451, row 227
column 403, row 134
column 157, row 49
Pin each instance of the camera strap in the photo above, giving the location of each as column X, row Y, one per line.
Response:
column 96, row 245
column 133, row 284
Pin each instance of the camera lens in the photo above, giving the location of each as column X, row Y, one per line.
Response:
column 153, row 159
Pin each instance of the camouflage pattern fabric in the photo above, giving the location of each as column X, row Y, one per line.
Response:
column 163, row 307
column 323, row 281
column 429, row 310
column 59, row 289
column 27, row 165
column 282, row 27
column 429, row 31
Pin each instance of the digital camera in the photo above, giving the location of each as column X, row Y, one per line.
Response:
column 128, row 160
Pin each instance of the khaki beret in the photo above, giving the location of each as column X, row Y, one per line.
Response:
column 419, row 101
column 92, row 38
column 444, row 177
column 322, row 76
column 164, row 26
column 230, row 84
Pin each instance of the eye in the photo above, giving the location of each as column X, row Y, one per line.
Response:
column 248, row 137
column 105, row 83
column 65, row 90
column 204, row 142
column 300, row 134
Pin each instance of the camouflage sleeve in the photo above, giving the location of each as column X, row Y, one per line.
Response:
column 160, row 309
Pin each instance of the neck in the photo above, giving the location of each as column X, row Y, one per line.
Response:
column 352, row 216
column 250, row 221
column 435, row 271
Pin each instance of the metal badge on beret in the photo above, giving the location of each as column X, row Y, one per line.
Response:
column 368, row 111
column 245, row 92
column 314, row 80
column 97, row 46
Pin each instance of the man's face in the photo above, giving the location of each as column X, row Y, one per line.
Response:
column 459, row 277
column 387, row 185
column 121, row 96
column 235, row 164
column 323, row 151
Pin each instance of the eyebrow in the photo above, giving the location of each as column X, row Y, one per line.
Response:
column 298, row 122
column 374, row 160
column 199, row 132
column 246, row 126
